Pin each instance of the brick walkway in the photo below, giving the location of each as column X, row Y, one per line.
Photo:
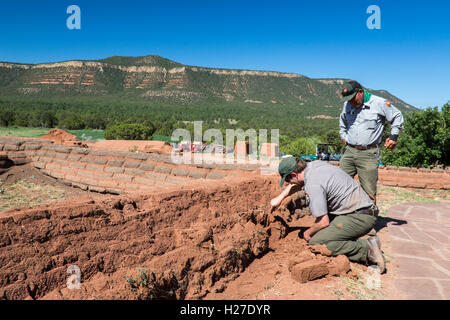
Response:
column 420, row 248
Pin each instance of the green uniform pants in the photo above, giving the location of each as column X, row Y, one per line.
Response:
column 365, row 164
column 341, row 236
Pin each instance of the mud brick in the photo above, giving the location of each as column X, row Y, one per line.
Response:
column 206, row 165
column 11, row 147
column 62, row 149
column 114, row 169
column 100, row 160
column 46, row 172
column 88, row 181
column 132, row 164
column 80, row 186
column 156, row 176
column 155, row 157
column 45, row 159
column 391, row 168
column 2, row 146
column 135, row 172
column 66, row 182
column 30, row 153
column 97, row 189
column 225, row 166
column 138, row 156
column 61, row 156
column 94, row 167
column 338, row 266
column 77, row 165
column 131, row 186
column 41, row 153
column 71, row 177
column 160, row 158
column 309, row 270
column 52, row 166
column 50, row 154
column 180, row 172
column 216, row 175
column 33, row 146
column 73, row 158
column 101, row 176
column 424, row 170
column 84, row 173
column 88, row 159
column 115, row 163
column 417, row 185
column 249, row 167
column 147, row 166
column 57, row 174
column 404, row 169
column 162, row 169
column 66, row 170
column 120, row 154
column 438, row 170
column 114, row 191
column 40, row 165
column 197, row 174
column 109, row 183
column 389, row 183
column 80, row 151
column 144, row 181
column 176, row 180
column 122, row 177
column 101, row 153
column 21, row 161
column 19, row 154
column 62, row 162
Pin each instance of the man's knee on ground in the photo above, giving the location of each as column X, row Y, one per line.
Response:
column 316, row 240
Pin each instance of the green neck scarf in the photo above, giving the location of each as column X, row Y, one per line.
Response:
column 367, row 96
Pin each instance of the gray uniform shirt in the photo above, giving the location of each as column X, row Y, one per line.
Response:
column 364, row 126
column 331, row 190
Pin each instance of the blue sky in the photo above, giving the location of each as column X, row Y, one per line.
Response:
column 409, row 56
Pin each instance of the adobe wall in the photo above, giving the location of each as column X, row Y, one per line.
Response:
column 118, row 172
column 114, row 172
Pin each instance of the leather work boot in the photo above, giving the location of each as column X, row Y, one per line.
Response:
column 375, row 255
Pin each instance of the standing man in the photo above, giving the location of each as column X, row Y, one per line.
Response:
column 361, row 128
column 342, row 209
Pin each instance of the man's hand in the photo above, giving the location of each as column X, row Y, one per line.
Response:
column 307, row 235
column 275, row 202
column 345, row 142
column 390, row 144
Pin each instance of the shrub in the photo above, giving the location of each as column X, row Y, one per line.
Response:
column 129, row 131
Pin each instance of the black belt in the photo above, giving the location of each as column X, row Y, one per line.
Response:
column 372, row 146
column 371, row 211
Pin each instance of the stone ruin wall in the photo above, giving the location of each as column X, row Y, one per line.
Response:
column 118, row 172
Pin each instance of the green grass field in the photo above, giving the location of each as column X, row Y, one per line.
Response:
column 85, row 134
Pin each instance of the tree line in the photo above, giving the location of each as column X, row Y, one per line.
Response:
column 424, row 142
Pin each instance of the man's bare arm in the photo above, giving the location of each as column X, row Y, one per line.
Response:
column 290, row 189
column 320, row 223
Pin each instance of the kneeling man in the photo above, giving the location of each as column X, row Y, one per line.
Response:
column 343, row 210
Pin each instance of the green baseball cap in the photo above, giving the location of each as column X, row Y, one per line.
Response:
column 286, row 167
column 350, row 90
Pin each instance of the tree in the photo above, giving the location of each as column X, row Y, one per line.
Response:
column 7, row 117
column 299, row 147
column 425, row 141
column 129, row 131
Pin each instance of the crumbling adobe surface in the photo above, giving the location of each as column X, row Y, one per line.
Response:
column 188, row 242
column 61, row 137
